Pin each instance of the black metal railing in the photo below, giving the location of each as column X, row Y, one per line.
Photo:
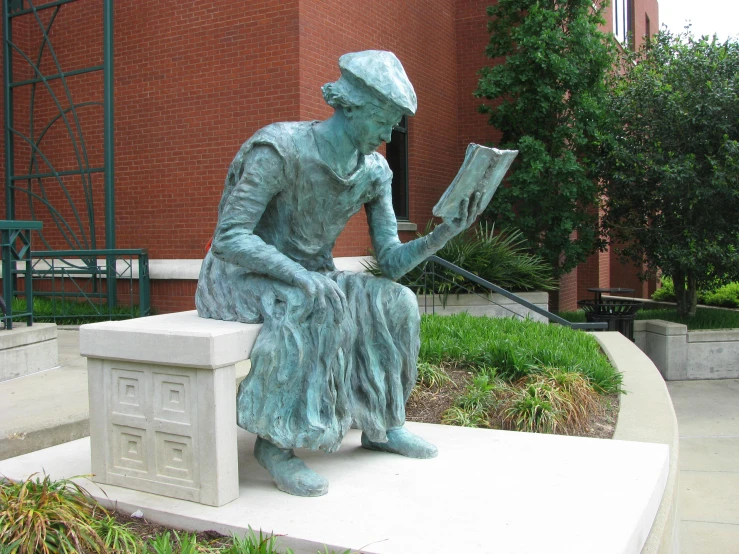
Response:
column 433, row 283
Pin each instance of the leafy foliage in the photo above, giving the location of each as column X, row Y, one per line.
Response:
column 513, row 349
column 670, row 167
column 548, row 98
column 43, row 516
column 501, row 258
column 725, row 296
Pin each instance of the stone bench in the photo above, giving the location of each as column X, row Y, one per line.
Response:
column 162, row 404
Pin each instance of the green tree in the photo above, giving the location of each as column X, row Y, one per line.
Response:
column 671, row 167
column 548, row 97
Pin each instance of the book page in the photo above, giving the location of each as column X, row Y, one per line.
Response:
column 482, row 171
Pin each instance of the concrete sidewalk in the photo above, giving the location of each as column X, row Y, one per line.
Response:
column 51, row 407
column 708, row 422
column 46, row 408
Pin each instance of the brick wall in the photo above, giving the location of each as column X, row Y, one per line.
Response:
column 422, row 35
column 193, row 80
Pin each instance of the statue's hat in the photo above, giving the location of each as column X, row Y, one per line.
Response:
column 381, row 73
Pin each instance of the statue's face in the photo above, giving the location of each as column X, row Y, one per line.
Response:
column 369, row 126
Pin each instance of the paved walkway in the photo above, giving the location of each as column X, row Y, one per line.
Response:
column 51, row 407
column 708, row 422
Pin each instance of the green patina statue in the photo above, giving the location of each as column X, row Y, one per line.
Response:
column 337, row 348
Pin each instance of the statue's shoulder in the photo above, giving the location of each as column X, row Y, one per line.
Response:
column 379, row 170
column 283, row 137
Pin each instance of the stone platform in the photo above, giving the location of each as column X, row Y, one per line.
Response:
column 26, row 350
column 488, row 491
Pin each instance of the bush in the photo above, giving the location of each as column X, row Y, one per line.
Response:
column 666, row 293
column 501, row 258
column 726, row 296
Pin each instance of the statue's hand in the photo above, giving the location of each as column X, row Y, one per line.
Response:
column 466, row 216
column 323, row 291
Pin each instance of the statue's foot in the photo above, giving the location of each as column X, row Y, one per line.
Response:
column 403, row 442
column 288, row 471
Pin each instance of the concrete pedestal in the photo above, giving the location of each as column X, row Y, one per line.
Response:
column 25, row 350
column 488, row 491
column 162, row 404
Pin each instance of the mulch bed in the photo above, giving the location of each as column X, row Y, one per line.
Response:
column 427, row 405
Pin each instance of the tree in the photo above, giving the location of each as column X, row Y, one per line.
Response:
column 670, row 169
column 548, row 99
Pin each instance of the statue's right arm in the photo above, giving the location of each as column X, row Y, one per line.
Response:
column 234, row 241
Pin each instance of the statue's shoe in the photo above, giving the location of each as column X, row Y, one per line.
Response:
column 403, row 442
column 288, row 471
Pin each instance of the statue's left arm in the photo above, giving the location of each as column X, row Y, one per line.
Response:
column 395, row 258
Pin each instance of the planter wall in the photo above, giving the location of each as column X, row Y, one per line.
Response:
column 492, row 305
column 680, row 354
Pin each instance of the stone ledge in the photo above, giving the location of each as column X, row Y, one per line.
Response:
column 177, row 339
column 646, row 414
column 26, row 350
column 22, row 335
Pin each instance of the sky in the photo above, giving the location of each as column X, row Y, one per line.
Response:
column 707, row 16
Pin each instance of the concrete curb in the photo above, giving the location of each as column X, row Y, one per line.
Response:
column 646, row 414
column 16, row 444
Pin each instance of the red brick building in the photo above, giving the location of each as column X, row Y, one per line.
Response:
column 193, row 80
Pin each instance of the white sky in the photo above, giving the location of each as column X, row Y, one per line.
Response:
column 707, row 16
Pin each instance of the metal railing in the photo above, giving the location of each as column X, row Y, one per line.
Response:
column 15, row 249
column 432, row 281
column 71, row 278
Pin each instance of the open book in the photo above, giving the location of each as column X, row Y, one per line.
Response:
column 482, row 171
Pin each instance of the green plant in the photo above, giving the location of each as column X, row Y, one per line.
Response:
column 726, row 296
column 670, row 166
column 431, row 376
column 514, row 348
column 66, row 312
column 116, row 536
column 666, row 293
column 43, row 516
column 480, row 394
column 530, row 409
column 548, row 96
column 501, row 258
column 252, row 543
column 461, row 417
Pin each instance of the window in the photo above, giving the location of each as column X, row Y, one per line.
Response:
column 623, row 27
column 397, row 158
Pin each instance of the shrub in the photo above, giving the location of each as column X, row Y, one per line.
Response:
column 501, row 258
column 726, row 296
column 666, row 293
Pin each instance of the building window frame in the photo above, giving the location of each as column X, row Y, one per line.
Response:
column 623, row 22
column 396, row 153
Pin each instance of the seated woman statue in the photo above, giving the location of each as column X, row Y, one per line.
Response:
column 337, row 348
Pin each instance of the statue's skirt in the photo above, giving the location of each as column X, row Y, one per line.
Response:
column 315, row 370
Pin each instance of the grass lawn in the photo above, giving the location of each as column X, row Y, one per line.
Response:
column 705, row 318
column 512, row 374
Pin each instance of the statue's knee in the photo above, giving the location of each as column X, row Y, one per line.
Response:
column 407, row 303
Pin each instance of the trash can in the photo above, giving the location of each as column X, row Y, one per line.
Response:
column 618, row 313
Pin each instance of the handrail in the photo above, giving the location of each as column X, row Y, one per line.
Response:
column 599, row 325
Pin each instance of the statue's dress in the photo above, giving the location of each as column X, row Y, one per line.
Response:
column 313, row 370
